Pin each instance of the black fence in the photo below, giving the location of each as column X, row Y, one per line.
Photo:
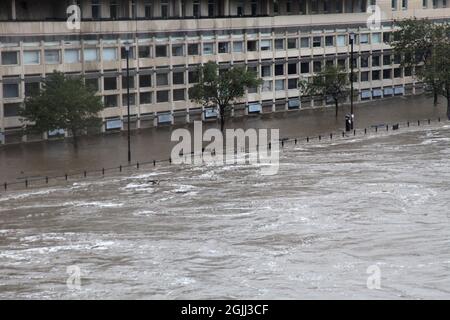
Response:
column 102, row 172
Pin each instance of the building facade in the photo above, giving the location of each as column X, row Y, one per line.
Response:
column 282, row 41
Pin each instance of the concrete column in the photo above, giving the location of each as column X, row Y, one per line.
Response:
column 130, row 9
column 226, row 8
column 343, row 6
column 269, row 4
column 13, row 10
column 178, row 8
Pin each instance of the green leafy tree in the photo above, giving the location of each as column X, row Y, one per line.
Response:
column 332, row 82
column 63, row 103
column 220, row 89
column 425, row 45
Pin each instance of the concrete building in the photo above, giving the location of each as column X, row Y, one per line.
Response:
column 282, row 40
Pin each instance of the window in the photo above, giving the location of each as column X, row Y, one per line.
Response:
column 397, row 59
column 193, row 49
column 52, row 57
column 177, row 50
column 364, row 38
column 161, row 51
column 145, row 98
column 387, row 37
column 279, row 44
column 317, row 66
column 10, row 90
column 387, row 74
column 292, row 43
column 397, row 73
column 404, row 4
column 124, row 82
column 240, row 8
column 145, row 52
column 317, row 42
column 132, row 99
column 394, row 5
column 329, row 41
column 124, row 53
column 31, row 57
column 193, row 76
column 425, row 3
column 279, row 85
column 11, row 110
column 387, row 59
column 364, row 62
column 375, row 61
column 279, row 69
column 164, row 9
column 196, row 8
column 178, row 78
column 292, row 68
column 145, row 80
column 90, row 55
column 341, row 63
column 10, row 58
column 304, row 67
column 266, row 71
column 376, row 75
column 365, row 76
column 224, row 47
column 109, row 54
column 238, row 46
column 292, row 83
column 162, row 79
column 340, row 40
column 210, row 9
column 304, row 42
column 254, row 8
column 252, row 45
column 376, row 37
column 267, row 86
column 266, row 45
column 208, row 48
column 148, row 9
column 162, row 96
column 179, row 95
column 31, row 88
column 95, row 9
column 113, row 9
column 110, row 83
column 71, row 56
column 111, row 101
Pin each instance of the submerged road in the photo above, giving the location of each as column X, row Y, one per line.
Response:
column 57, row 157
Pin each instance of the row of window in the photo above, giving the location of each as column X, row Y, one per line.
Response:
column 53, row 56
column 11, row 90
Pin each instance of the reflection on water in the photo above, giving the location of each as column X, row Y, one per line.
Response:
column 311, row 231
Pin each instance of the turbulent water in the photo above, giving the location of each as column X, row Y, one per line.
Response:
column 334, row 210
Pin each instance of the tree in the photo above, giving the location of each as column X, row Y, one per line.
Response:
column 426, row 46
column 63, row 103
column 220, row 89
column 332, row 82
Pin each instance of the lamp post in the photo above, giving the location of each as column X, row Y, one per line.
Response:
column 127, row 49
column 352, row 116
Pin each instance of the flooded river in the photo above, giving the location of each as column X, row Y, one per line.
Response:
column 334, row 210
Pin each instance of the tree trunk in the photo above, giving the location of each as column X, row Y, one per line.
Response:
column 448, row 103
column 435, row 98
column 336, row 103
column 222, row 118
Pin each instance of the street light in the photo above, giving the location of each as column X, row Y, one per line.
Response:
column 127, row 49
column 352, row 115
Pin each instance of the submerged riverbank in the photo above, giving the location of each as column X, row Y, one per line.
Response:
column 49, row 158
